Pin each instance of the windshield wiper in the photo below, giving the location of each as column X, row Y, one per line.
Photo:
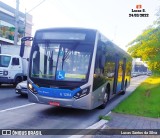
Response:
column 66, row 54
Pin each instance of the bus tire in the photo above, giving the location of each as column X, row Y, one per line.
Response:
column 105, row 99
column 125, row 87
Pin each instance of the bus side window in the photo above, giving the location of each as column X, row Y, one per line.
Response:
column 97, row 71
column 100, row 59
column 36, row 62
column 99, row 78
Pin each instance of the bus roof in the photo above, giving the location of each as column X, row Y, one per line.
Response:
column 83, row 30
column 68, row 29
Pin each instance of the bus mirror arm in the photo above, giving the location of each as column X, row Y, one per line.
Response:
column 23, row 44
column 27, row 38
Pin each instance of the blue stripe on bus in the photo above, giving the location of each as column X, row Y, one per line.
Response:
column 55, row 92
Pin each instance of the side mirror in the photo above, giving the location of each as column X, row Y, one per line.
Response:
column 27, row 38
column 22, row 48
column 23, row 44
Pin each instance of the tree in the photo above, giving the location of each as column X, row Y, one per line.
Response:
column 147, row 46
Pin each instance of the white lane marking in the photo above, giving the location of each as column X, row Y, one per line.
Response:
column 13, row 108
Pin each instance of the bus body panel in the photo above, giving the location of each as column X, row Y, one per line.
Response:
column 98, row 95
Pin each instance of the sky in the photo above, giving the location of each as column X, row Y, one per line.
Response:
column 110, row 17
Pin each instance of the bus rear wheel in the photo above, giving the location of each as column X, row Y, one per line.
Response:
column 125, row 87
column 105, row 99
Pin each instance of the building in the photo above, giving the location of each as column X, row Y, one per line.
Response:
column 7, row 25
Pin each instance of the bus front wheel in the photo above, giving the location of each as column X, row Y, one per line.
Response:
column 125, row 87
column 105, row 99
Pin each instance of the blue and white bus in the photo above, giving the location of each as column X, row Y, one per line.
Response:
column 76, row 68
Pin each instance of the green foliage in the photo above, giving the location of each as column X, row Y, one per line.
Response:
column 105, row 117
column 147, row 46
column 144, row 101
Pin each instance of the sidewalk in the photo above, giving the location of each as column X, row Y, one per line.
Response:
column 121, row 121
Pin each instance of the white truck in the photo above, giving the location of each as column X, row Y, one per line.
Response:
column 13, row 68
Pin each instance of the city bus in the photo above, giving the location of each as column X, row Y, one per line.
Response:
column 76, row 68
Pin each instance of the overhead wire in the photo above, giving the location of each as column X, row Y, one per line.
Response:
column 36, row 6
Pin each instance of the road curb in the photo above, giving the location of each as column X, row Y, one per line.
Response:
column 98, row 125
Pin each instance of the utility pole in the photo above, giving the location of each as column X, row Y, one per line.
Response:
column 25, row 23
column 16, row 22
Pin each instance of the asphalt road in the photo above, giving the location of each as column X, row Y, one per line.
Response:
column 17, row 113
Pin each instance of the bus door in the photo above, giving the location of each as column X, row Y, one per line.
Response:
column 116, row 74
column 123, row 73
column 120, row 74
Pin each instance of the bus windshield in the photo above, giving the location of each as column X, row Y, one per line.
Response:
column 4, row 60
column 61, row 61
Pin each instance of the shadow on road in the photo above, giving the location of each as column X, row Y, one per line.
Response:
column 62, row 111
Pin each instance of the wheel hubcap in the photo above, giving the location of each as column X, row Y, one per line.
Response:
column 105, row 97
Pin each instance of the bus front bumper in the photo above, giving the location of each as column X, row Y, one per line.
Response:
column 82, row 103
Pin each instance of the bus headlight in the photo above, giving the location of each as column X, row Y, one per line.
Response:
column 82, row 93
column 31, row 88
